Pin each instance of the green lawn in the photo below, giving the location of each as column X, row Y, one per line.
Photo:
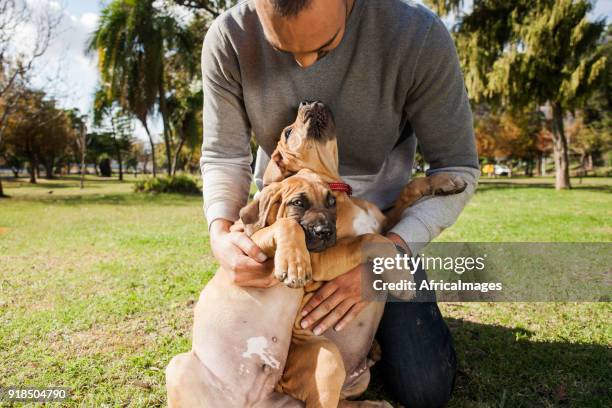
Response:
column 97, row 288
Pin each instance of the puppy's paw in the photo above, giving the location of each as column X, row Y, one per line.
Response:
column 446, row 184
column 292, row 267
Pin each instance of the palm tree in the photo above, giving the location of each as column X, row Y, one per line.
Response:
column 126, row 71
column 133, row 41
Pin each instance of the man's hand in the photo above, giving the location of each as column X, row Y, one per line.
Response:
column 399, row 241
column 336, row 303
column 240, row 256
column 340, row 300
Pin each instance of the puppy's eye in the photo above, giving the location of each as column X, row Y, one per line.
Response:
column 288, row 133
column 297, row 203
column 331, row 200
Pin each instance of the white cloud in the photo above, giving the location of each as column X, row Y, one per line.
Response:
column 89, row 21
column 50, row 4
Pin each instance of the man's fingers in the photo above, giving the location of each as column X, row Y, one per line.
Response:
column 322, row 310
column 249, row 247
column 261, row 276
column 320, row 295
column 245, row 265
column 333, row 317
column 350, row 315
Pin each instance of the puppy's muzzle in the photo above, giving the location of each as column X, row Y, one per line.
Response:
column 320, row 232
column 318, row 118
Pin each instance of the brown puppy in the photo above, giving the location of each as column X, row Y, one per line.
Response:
column 242, row 335
column 318, row 367
column 243, row 342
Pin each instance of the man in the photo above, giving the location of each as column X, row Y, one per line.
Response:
column 389, row 71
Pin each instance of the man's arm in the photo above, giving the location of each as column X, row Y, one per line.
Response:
column 226, row 154
column 226, row 162
column 439, row 111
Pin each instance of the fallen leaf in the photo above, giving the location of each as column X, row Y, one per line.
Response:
column 142, row 384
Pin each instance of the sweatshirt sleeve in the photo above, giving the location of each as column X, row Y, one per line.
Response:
column 226, row 153
column 439, row 111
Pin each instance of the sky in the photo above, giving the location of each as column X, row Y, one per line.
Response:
column 72, row 74
column 77, row 73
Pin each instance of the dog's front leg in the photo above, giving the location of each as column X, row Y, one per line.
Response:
column 349, row 253
column 286, row 242
column 436, row 184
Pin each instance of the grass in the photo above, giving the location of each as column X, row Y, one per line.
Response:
column 97, row 288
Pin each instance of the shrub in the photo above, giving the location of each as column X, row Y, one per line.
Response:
column 180, row 184
column 105, row 167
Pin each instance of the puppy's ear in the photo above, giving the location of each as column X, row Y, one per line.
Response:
column 262, row 211
column 249, row 214
column 275, row 170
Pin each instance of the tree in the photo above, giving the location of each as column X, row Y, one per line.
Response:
column 134, row 40
column 516, row 135
column 138, row 154
column 122, row 130
column 213, row 7
column 121, row 126
column 100, row 146
column 15, row 67
column 78, row 124
column 516, row 53
column 184, row 109
column 40, row 132
column 591, row 133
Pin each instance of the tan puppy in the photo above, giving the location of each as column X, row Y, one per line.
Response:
column 241, row 336
column 244, row 348
column 316, row 372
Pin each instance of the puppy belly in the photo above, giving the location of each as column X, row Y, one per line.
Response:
column 242, row 336
column 355, row 340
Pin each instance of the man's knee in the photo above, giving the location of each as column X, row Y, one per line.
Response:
column 432, row 387
column 418, row 358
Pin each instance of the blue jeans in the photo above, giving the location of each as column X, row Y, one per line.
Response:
column 418, row 364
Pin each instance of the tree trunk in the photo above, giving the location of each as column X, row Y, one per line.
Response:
column 33, row 169
column 49, row 169
column 119, row 159
column 177, row 153
column 562, row 179
column 2, row 195
column 589, row 162
column 83, row 155
column 154, row 165
column 120, row 167
column 82, row 178
column 538, row 168
column 164, row 112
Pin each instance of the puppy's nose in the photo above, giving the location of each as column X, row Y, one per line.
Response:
column 305, row 103
column 323, row 231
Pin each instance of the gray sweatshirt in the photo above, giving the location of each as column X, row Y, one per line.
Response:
column 393, row 80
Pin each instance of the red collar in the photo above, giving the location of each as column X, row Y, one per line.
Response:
column 337, row 186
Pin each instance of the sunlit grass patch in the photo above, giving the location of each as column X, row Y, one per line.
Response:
column 97, row 288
